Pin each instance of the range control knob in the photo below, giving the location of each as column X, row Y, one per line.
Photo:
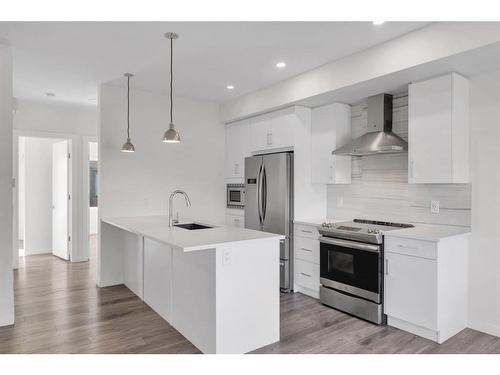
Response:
column 326, row 225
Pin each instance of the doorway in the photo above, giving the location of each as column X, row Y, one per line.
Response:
column 44, row 196
column 93, row 198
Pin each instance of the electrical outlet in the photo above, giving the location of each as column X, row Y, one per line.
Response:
column 340, row 201
column 226, row 257
column 435, row 207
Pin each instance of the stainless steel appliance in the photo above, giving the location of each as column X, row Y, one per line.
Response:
column 269, row 204
column 351, row 267
column 379, row 139
column 235, row 197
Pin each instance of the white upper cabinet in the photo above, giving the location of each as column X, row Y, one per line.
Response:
column 237, row 149
column 438, row 130
column 273, row 131
column 330, row 128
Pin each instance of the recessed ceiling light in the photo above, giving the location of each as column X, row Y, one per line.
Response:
column 280, row 65
column 230, row 87
column 378, row 22
column 50, row 94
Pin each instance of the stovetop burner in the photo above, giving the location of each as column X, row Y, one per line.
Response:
column 361, row 230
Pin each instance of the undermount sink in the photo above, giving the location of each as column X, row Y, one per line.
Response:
column 192, row 226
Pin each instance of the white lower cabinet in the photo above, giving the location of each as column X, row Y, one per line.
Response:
column 425, row 286
column 158, row 277
column 306, row 260
column 411, row 289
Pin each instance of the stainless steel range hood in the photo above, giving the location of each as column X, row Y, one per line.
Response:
column 379, row 139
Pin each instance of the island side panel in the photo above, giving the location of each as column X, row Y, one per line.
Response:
column 158, row 277
column 193, row 297
column 110, row 256
column 248, row 296
column 133, row 259
column 121, row 259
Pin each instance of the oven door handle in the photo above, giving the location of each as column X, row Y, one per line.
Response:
column 350, row 244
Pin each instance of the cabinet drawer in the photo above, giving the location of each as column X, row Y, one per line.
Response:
column 306, row 249
column 406, row 246
column 307, row 274
column 306, row 231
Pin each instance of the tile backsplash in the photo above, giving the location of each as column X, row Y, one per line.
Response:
column 380, row 189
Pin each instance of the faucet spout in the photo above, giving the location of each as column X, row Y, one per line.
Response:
column 171, row 220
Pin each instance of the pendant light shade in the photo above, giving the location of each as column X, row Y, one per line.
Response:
column 128, row 146
column 171, row 135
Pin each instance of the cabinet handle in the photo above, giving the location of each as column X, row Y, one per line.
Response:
column 306, row 231
column 386, row 266
column 411, row 168
column 331, row 172
column 305, row 274
column 303, row 248
column 408, row 247
column 267, row 139
column 270, row 138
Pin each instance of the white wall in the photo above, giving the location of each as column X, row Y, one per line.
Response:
column 74, row 123
column 6, row 200
column 38, row 195
column 484, row 274
column 140, row 183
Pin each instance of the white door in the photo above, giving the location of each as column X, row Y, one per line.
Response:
column 60, row 199
column 282, row 131
column 411, row 289
column 430, row 133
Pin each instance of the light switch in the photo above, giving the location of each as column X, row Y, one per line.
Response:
column 435, row 207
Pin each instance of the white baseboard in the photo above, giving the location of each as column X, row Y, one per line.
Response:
column 491, row 329
column 37, row 251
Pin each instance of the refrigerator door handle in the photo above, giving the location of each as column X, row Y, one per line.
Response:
column 259, row 194
column 264, row 194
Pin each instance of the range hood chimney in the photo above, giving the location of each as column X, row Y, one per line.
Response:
column 379, row 139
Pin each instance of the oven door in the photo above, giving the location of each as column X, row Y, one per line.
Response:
column 351, row 267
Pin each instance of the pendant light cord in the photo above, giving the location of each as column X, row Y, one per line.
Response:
column 171, row 75
column 128, row 107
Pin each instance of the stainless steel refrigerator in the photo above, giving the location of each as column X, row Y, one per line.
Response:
column 269, row 204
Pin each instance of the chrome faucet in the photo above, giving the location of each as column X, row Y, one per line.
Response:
column 171, row 220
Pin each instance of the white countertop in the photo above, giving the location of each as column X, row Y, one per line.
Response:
column 156, row 228
column 318, row 222
column 428, row 232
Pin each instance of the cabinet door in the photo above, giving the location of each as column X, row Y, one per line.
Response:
column 157, row 277
column 330, row 127
column 260, row 134
column 411, row 289
column 282, row 131
column 236, row 149
column 429, row 131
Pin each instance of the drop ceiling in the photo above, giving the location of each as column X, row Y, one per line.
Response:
column 71, row 59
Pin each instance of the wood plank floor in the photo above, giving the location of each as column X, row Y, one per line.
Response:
column 60, row 310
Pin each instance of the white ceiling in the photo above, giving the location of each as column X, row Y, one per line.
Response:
column 71, row 59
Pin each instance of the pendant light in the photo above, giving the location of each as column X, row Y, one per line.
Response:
column 128, row 146
column 171, row 135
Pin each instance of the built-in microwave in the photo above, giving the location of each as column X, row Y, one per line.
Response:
column 235, row 196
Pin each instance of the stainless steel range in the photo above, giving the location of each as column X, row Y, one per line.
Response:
column 351, row 266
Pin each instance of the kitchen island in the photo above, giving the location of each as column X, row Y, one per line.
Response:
column 218, row 286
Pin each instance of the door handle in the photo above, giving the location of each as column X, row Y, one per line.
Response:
column 305, row 274
column 386, row 266
column 304, row 249
column 264, row 193
column 259, row 194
